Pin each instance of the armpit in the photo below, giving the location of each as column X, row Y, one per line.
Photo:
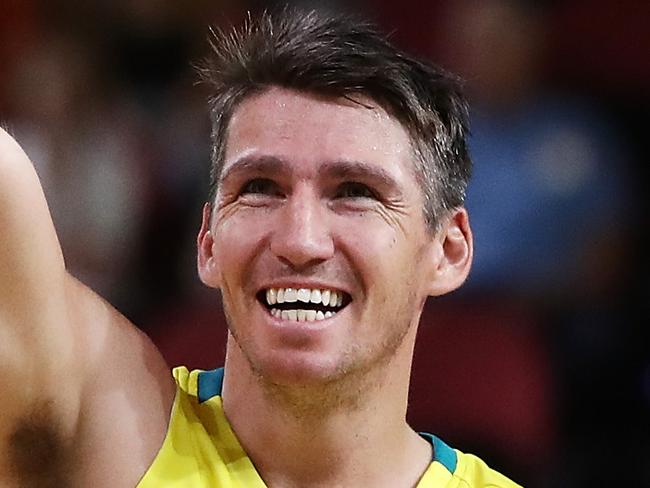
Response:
column 38, row 454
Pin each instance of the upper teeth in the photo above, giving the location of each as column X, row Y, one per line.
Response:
column 306, row 295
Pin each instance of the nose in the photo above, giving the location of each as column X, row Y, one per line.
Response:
column 302, row 236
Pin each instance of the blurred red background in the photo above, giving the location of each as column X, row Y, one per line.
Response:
column 540, row 363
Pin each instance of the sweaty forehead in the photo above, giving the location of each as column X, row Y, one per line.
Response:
column 293, row 103
column 289, row 125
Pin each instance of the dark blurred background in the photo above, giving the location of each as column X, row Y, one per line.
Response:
column 541, row 363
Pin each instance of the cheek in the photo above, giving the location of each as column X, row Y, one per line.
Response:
column 241, row 231
column 374, row 239
column 236, row 242
column 392, row 265
column 379, row 255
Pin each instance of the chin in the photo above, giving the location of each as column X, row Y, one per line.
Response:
column 303, row 369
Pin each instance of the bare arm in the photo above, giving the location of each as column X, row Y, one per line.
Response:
column 36, row 340
column 31, row 263
column 59, row 344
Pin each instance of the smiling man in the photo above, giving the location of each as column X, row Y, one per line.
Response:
column 339, row 171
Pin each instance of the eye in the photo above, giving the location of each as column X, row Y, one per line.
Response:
column 354, row 190
column 260, row 186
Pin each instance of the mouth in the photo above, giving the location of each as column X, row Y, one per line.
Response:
column 303, row 304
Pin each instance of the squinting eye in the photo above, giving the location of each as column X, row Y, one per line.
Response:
column 354, row 190
column 260, row 185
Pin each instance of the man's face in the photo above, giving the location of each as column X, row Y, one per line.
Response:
column 317, row 197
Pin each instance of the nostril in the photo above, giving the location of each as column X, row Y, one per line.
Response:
column 299, row 264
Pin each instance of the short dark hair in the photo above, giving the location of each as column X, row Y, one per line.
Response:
column 340, row 55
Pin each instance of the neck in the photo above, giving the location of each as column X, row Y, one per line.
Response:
column 351, row 432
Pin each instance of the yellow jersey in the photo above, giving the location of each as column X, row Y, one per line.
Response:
column 201, row 450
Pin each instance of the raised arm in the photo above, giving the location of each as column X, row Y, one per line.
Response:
column 37, row 344
column 85, row 395
column 31, row 263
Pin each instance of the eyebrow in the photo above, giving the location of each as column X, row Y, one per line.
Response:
column 358, row 170
column 255, row 165
column 339, row 169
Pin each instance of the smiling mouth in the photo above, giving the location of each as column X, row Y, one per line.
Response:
column 303, row 304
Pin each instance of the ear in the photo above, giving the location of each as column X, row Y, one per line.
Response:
column 455, row 250
column 206, row 261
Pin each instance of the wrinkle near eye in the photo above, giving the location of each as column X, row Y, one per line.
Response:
column 225, row 210
column 394, row 213
column 221, row 201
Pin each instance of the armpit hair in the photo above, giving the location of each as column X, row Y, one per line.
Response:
column 39, row 456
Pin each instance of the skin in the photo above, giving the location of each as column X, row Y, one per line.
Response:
column 86, row 397
column 320, row 193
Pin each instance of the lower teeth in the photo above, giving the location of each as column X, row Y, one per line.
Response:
column 301, row 315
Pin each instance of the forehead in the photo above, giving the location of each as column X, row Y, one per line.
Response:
column 296, row 126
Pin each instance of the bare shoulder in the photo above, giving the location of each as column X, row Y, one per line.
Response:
column 102, row 422
column 102, row 418
column 127, row 398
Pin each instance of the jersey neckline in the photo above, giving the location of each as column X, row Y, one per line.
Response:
column 210, row 384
